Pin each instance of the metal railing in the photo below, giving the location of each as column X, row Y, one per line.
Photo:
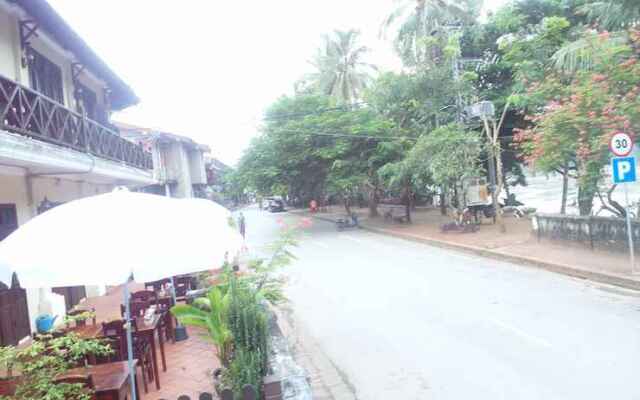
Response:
column 29, row 113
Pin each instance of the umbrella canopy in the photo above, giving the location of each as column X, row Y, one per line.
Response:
column 101, row 240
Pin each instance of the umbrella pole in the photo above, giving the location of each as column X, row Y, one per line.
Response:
column 180, row 332
column 127, row 315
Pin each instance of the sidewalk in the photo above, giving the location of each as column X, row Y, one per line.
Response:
column 518, row 245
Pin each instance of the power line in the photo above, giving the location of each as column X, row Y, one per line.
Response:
column 354, row 135
column 279, row 116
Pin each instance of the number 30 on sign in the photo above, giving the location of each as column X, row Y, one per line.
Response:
column 621, row 144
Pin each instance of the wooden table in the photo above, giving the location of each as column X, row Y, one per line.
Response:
column 145, row 330
column 111, row 381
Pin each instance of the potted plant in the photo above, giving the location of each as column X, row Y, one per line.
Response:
column 44, row 361
column 82, row 316
column 210, row 313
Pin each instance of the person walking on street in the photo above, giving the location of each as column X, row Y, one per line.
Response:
column 242, row 225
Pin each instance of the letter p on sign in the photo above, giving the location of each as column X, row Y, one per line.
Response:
column 623, row 169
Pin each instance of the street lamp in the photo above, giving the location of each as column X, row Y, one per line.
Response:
column 485, row 110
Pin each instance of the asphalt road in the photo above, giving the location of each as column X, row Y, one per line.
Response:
column 403, row 320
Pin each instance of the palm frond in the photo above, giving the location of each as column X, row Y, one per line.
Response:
column 612, row 14
column 579, row 55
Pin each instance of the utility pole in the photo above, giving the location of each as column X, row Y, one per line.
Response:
column 486, row 110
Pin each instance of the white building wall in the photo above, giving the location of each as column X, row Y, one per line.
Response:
column 196, row 167
column 44, row 301
column 11, row 66
column 178, row 170
column 60, row 190
column 14, row 190
column 9, row 54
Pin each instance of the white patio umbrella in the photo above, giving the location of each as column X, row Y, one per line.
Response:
column 104, row 239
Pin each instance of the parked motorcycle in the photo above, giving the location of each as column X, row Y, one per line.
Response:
column 350, row 221
column 463, row 223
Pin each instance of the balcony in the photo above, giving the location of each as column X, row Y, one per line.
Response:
column 29, row 113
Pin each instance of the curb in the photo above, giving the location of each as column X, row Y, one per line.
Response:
column 563, row 269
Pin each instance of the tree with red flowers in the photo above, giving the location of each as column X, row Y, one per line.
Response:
column 573, row 127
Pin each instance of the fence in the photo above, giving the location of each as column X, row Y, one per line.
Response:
column 14, row 314
column 595, row 232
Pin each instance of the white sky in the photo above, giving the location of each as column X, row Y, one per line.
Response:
column 208, row 69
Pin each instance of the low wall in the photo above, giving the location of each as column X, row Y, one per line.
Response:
column 595, row 232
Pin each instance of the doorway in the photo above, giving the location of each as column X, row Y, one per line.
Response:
column 8, row 220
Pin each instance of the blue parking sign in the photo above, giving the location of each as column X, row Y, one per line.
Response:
column 623, row 169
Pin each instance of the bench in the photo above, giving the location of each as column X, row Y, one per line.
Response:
column 389, row 211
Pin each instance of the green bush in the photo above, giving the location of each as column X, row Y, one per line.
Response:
column 244, row 369
column 45, row 360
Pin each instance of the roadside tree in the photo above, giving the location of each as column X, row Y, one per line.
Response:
column 574, row 127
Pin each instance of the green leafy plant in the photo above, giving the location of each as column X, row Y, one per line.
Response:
column 46, row 360
column 68, row 319
column 211, row 313
column 245, row 369
column 247, row 320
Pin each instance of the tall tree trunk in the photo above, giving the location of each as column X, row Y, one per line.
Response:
column 565, row 189
column 586, row 194
column 373, row 203
column 373, row 193
column 455, row 201
column 443, row 200
column 407, row 199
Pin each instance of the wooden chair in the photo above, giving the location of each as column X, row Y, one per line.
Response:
column 183, row 283
column 148, row 296
column 137, row 308
column 79, row 311
column 162, row 308
column 156, row 286
column 116, row 331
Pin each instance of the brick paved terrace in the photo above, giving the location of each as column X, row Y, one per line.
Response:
column 190, row 363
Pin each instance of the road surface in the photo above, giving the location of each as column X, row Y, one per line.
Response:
column 403, row 320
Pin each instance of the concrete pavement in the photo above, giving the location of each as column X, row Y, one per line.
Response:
column 404, row 320
column 518, row 246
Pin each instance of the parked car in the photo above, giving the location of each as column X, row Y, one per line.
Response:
column 276, row 205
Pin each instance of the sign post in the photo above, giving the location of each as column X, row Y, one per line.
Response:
column 623, row 170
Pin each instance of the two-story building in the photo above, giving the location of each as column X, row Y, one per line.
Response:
column 56, row 140
column 179, row 161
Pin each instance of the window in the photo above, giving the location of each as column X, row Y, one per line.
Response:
column 88, row 101
column 45, row 77
column 8, row 220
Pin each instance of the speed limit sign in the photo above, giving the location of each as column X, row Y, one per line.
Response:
column 621, row 144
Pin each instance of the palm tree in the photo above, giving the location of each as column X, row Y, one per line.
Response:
column 415, row 20
column 612, row 15
column 341, row 73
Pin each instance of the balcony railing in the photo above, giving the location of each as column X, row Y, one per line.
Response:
column 27, row 112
